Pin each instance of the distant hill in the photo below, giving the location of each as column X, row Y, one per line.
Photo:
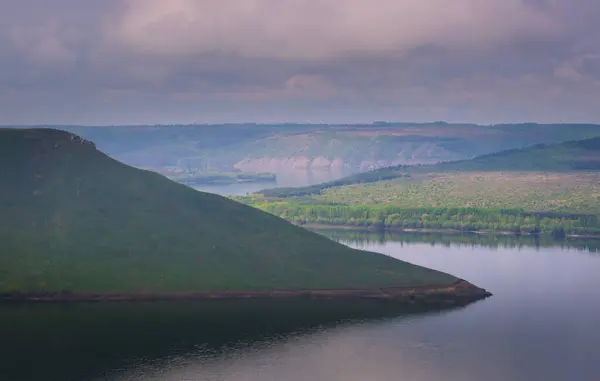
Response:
column 580, row 155
column 571, row 156
column 341, row 149
column 73, row 220
column 544, row 189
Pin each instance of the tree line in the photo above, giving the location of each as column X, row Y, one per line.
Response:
column 464, row 219
column 361, row 178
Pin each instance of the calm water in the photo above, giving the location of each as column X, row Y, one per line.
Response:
column 296, row 178
column 541, row 324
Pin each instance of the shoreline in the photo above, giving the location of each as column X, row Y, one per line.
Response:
column 459, row 293
column 447, row 231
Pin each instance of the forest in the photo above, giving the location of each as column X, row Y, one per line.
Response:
column 515, row 221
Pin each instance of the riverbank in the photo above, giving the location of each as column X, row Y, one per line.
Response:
column 458, row 293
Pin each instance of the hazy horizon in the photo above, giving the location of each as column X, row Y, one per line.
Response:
column 290, row 122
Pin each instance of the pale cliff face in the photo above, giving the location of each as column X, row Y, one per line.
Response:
column 278, row 164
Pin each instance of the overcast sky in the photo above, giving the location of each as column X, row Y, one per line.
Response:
column 184, row 61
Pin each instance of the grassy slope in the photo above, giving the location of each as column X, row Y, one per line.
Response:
column 558, row 192
column 562, row 177
column 71, row 218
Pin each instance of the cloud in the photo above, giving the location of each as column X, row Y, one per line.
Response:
column 42, row 43
column 581, row 69
column 321, row 29
column 485, row 60
column 297, row 87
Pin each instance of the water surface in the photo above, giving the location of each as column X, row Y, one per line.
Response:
column 288, row 178
column 541, row 324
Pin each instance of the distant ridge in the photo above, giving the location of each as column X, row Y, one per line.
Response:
column 570, row 156
column 353, row 147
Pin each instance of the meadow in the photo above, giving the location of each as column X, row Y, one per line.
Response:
column 532, row 191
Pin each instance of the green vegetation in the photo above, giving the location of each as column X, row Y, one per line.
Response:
column 579, row 155
column 463, row 219
column 542, row 189
column 351, row 148
column 533, row 191
column 74, row 220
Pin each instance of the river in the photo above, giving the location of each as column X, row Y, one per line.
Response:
column 291, row 178
column 541, row 324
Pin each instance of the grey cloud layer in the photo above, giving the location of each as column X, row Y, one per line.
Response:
column 476, row 58
column 300, row 29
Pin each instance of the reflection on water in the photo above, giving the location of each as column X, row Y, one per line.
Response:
column 341, row 353
column 84, row 341
column 366, row 238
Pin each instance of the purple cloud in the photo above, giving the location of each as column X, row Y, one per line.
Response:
column 212, row 60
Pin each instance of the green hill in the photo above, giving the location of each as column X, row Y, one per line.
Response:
column 579, row 155
column 73, row 220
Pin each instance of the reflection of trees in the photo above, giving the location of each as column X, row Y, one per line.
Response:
column 362, row 238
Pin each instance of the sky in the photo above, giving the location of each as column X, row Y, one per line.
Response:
column 269, row 61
